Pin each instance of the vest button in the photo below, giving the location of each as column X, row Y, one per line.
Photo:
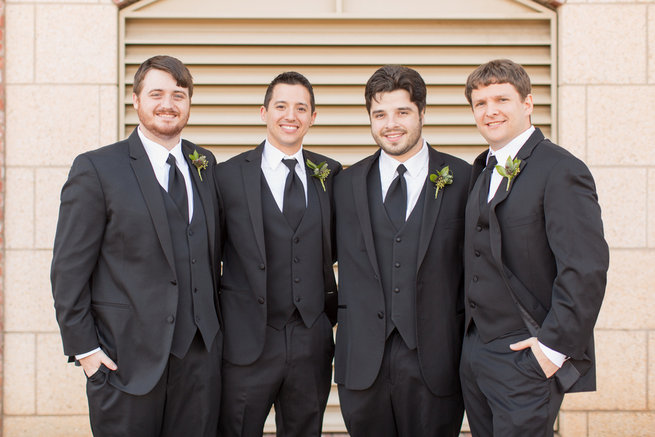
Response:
column 193, row 261
column 477, row 253
column 260, row 300
column 296, row 259
column 190, row 233
column 262, row 266
column 396, row 290
column 173, row 282
column 296, row 280
column 478, row 228
column 472, row 304
column 475, row 278
column 195, row 290
column 398, row 239
column 298, row 299
column 397, row 265
column 296, row 240
column 170, row 319
column 380, row 315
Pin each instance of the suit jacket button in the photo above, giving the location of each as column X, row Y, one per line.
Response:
column 173, row 282
column 478, row 228
column 398, row 239
column 296, row 240
column 298, row 299
column 397, row 265
column 296, row 259
column 170, row 319
column 262, row 267
column 472, row 304
column 477, row 253
column 195, row 290
column 260, row 300
column 190, row 233
column 475, row 278
column 380, row 315
column 296, row 280
column 396, row 290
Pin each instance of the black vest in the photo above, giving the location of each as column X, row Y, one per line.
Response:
column 488, row 302
column 194, row 277
column 397, row 256
column 294, row 274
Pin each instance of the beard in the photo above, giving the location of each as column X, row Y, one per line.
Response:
column 410, row 141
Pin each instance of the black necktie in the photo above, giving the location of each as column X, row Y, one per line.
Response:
column 293, row 205
column 396, row 201
column 486, row 179
column 177, row 187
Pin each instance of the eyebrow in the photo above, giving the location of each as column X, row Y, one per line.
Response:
column 286, row 103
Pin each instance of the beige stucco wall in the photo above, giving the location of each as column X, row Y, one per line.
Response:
column 61, row 88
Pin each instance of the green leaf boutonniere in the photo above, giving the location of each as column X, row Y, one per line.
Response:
column 442, row 178
column 319, row 171
column 510, row 170
column 199, row 161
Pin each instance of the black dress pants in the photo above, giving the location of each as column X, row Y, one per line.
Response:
column 185, row 401
column 506, row 392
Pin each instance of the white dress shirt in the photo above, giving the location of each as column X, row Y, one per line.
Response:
column 507, row 151
column 417, row 172
column 275, row 171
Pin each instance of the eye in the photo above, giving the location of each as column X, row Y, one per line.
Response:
column 302, row 109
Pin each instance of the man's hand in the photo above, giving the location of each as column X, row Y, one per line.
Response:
column 92, row 363
column 549, row 368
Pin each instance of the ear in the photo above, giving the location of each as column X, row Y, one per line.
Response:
column 423, row 117
column 135, row 101
column 311, row 122
column 528, row 105
column 262, row 113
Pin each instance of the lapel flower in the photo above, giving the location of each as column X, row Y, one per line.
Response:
column 199, row 161
column 510, row 170
column 442, row 178
column 320, row 171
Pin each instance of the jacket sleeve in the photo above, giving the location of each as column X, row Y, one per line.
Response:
column 575, row 234
column 78, row 239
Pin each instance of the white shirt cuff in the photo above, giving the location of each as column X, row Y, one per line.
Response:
column 80, row 356
column 554, row 356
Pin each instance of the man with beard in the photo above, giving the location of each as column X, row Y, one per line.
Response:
column 134, row 273
column 400, row 231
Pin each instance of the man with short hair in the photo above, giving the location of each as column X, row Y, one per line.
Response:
column 536, row 264
column 400, row 231
column 134, row 271
column 277, row 221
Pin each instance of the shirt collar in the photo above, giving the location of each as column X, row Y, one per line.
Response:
column 512, row 148
column 389, row 164
column 159, row 153
column 272, row 157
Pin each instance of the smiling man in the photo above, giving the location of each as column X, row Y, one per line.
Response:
column 536, row 264
column 277, row 222
column 401, row 289
column 134, row 273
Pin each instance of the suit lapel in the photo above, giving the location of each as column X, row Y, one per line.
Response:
column 151, row 191
column 204, row 192
column 502, row 194
column 361, row 205
column 431, row 206
column 324, row 203
column 252, row 183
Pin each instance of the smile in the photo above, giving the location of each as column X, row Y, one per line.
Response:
column 288, row 128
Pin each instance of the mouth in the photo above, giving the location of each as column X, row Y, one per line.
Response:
column 289, row 128
column 494, row 124
column 167, row 115
column 393, row 136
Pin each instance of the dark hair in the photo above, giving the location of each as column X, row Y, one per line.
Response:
column 169, row 64
column 290, row 78
column 496, row 72
column 396, row 77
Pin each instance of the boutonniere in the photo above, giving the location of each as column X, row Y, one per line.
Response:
column 199, row 161
column 510, row 170
column 320, row 171
column 442, row 178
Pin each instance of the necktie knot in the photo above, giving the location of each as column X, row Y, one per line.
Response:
column 492, row 162
column 177, row 187
column 291, row 163
column 171, row 160
column 401, row 169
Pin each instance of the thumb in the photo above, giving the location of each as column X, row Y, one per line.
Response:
column 109, row 363
column 524, row 344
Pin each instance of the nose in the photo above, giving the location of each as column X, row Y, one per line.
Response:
column 492, row 109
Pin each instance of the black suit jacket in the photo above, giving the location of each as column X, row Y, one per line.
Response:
column 244, row 253
column 547, row 244
column 113, row 271
column 439, row 280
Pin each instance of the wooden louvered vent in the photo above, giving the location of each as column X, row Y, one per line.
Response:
column 235, row 50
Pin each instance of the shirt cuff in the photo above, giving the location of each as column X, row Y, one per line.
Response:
column 554, row 356
column 80, row 356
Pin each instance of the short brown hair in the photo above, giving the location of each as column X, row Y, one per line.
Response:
column 290, row 78
column 396, row 77
column 169, row 64
column 496, row 72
